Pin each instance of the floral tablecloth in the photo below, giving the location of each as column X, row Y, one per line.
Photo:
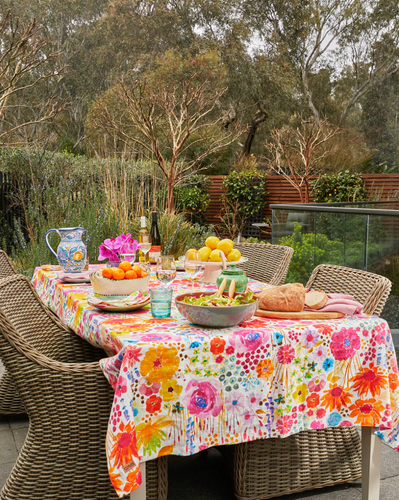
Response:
column 180, row 388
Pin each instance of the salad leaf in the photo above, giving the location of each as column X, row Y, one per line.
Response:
column 223, row 301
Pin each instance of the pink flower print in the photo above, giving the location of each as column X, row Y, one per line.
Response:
column 285, row 354
column 234, row 403
column 309, row 338
column 219, row 359
column 202, row 447
column 365, row 333
column 320, row 353
column 380, row 337
column 316, row 384
column 317, row 424
column 248, row 340
column 148, row 390
column 284, row 424
column 320, row 413
column 344, row 344
column 394, row 364
column 345, row 423
column 301, row 408
column 249, row 416
column 203, row 399
column 132, row 355
column 253, row 399
column 121, row 387
column 230, row 350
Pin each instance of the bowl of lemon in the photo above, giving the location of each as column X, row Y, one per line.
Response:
column 218, row 254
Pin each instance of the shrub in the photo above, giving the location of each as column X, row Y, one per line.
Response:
column 193, row 198
column 245, row 196
column 341, row 187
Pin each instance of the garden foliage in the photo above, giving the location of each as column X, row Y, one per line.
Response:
column 340, row 187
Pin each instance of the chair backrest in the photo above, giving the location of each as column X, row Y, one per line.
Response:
column 6, row 268
column 266, row 263
column 369, row 289
column 27, row 314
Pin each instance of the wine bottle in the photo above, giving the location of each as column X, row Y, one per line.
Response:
column 155, row 250
column 143, row 232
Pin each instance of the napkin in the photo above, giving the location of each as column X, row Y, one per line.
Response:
column 341, row 303
column 130, row 300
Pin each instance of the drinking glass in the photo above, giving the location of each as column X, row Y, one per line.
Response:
column 166, row 269
column 193, row 264
column 161, row 302
column 128, row 257
column 145, row 245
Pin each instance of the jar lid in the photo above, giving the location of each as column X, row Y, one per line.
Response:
column 233, row 269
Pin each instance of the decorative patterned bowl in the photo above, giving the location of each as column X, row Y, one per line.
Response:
column 215, row 317
column 106, row 287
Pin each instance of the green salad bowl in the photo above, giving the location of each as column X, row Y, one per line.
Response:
column 215, row 317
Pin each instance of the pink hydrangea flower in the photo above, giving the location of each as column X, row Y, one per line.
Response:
column 344, row 344
column 203, row 398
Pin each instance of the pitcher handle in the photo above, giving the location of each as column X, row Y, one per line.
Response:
column 48, row 244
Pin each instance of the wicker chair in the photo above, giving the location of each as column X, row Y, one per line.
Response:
column 6, row 267
column 10, row 402
column 68, row 401
column 310, row 459
column 266, row 263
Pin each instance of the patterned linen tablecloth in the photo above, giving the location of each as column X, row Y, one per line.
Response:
column 180, row 388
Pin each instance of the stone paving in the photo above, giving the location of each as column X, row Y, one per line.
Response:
column 202, row 476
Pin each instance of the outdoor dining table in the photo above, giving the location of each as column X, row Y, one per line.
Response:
column 181, row 388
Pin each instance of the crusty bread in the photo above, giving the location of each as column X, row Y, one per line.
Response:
column 289, row 297
column 316, row 299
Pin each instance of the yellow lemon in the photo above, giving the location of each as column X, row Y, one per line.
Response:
column 191, row 254
column 205, row 252
column 212, row 242
column 234, row 255
column 226, row 246
column 77, row 256
column 215, row 256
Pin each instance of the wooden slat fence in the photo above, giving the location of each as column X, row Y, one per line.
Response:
column 281, row 191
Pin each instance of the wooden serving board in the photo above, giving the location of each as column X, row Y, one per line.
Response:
column 298, row 315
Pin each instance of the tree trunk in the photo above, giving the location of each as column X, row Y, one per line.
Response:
column 308, row 95
column 171, row 202
column 259, row 118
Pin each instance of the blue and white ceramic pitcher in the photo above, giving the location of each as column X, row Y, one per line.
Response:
column 71, row 252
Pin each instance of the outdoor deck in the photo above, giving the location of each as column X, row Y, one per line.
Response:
column 202, row 476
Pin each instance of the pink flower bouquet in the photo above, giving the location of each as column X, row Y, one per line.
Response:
column 113, row 248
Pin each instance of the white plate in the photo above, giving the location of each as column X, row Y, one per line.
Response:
column 111, row 308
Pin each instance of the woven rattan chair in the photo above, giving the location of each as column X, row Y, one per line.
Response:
column 10, row 402
column 68, row 401
column 6, row 268
column 310, row 459
column 266, row 263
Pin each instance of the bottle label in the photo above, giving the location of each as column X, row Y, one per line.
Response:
column 154, row 253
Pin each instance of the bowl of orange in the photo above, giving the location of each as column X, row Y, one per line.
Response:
column 120, row 281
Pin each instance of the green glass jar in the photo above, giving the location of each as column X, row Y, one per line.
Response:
column 233, row 273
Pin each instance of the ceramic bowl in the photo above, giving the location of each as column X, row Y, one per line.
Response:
column 215, row 317
column 104, row 286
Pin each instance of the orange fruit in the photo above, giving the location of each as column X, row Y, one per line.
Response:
column 118, row 274
column 107, row 273
column 138, row 270
column 144, row 274
column 125, row 265
column 130, row 275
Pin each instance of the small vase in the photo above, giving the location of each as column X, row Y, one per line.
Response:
column 111, row 263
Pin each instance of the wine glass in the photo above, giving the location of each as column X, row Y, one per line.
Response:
column 145, row 245
column 166, row 269
column 193, row 264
